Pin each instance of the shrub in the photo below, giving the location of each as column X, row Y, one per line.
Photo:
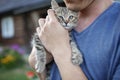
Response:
column 10, row 58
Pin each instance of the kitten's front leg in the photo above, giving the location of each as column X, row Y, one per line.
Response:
column 32, row 62
column 76, row 54
column 40, row 59
column 40, row 54
column 42, row 75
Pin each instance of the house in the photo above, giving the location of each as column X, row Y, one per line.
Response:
column 18, row 19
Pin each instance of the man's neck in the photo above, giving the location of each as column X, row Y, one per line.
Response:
column 88, row 15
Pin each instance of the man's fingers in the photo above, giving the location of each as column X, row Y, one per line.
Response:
column 51, row 14
column 47, row 18
column 39, row 32
column 41, row 22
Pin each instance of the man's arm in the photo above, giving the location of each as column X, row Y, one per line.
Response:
column 67, row 70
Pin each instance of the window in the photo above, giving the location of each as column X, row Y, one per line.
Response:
column 7, row 25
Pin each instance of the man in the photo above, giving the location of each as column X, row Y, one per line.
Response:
column 97, row 36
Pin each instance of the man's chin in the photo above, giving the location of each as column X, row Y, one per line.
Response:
column 74, row 9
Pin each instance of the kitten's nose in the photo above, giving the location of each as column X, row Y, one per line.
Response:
column 66, row 22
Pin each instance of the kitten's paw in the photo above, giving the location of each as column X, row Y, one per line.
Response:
column 36, row 66
column 77, row 60
column 39, row 67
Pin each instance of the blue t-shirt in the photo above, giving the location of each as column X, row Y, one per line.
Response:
column 100, row 47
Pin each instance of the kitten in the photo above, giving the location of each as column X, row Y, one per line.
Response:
column 68, row 20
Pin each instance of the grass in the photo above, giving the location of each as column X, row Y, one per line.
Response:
column 18, row 73
column 14, row 74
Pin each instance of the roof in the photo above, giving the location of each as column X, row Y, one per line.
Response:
column 18, row 6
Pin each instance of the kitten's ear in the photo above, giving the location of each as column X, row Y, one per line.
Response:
column 54, row 4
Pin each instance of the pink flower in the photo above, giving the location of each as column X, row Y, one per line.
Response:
column 30, row 74
column 17, row 48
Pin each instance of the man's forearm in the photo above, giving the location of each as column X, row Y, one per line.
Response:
column 67, row 70
column 70, row 72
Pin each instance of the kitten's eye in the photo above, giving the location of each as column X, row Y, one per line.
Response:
column 71, row 17
column 61, row 17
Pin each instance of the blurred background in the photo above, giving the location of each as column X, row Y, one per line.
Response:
column 18, row 22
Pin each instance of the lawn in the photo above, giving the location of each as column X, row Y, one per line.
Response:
column 14, row 65
column 14, row 74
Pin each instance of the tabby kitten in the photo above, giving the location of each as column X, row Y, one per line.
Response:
column 68, row 20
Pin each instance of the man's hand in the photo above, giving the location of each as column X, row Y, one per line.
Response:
column 53, row 36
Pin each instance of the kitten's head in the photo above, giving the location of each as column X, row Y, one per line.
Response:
column 66, row 17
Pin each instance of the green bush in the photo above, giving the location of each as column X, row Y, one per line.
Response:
column 10, row 58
